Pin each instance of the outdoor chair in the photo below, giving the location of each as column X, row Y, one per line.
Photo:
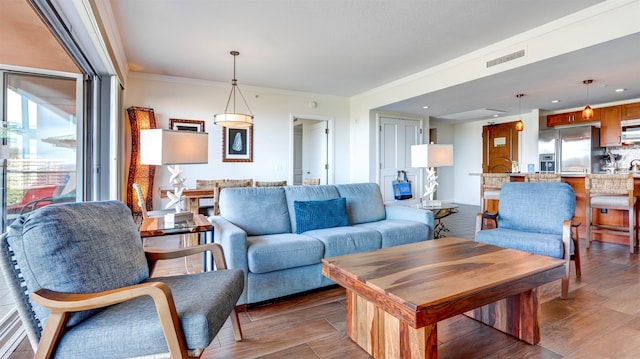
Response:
column 81, row 281
column 534, row 217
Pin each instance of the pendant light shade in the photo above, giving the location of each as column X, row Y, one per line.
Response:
column 587, row 113
column 520, row 123
column 231, row 118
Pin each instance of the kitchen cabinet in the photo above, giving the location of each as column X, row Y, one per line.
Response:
column 630, row 111
column 610, row 126
column 571, row 118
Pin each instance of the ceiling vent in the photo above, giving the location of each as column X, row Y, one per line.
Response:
column 505, row 58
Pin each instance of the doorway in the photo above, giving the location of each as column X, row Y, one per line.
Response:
column 499, row 147
column 311, row 150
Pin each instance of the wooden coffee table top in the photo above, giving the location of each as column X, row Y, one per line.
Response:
column 428, row 281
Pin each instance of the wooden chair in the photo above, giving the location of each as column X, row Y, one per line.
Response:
column 100, row 301
column 542, row 177
column 611, row 191
column 536, row 218
column 270, row 183
column 311, row 181
column 490, row 185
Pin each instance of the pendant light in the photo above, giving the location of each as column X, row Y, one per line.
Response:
column 587, row 113
column 234, row 119
column 520, row 123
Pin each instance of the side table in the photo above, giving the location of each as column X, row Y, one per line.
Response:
column 154, row 227
column 439, row 212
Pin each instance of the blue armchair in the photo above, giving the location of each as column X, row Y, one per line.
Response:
column 81, row 281
column 534, row 217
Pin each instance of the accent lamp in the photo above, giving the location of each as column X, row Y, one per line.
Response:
column 234, row 119
column 429, row 156
column 587, row 113
column 168, row 147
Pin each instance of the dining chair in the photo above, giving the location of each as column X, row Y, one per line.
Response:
column 80, row 278
column 270, row 183
column 228, row 183
column 311, row 181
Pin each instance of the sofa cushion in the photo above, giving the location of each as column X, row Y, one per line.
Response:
column 270, row 253
column 397, row 232
column 344, row 240
column 307, row 193
column 538, row 243
column 520, row 204
column 320, row 214
column 134, row 324
column 364, row 202
column 57, row 243
column 257, row 210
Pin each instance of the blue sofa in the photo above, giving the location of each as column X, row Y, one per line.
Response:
column 279, row 235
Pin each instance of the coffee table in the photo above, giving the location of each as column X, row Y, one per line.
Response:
column 397, row 295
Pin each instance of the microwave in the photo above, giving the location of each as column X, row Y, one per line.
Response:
column 630, row 130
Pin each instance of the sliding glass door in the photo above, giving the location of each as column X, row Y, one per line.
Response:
column 39, row 142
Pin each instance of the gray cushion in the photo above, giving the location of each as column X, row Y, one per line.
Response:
column 364, row 202
column 78, row 248
column 539, row 243
column 281, row 251
column 344, row 240
column 612, row 202
column 307, row 193
column 257, row 210
column 539, row 207
column 203, row 302
column 397, row 232
column 320, row 214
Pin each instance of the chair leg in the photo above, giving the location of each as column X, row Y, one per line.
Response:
column 632, row 230
column 565, row 287
column 589, row 220
column 576, row 251
column 235, row 325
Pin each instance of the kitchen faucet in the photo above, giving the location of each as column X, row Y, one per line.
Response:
column 612, row 160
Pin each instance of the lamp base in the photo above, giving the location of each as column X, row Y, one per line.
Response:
column 178, row 217
column 431, row 203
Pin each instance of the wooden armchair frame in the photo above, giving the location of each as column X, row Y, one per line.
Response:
column 61, row 305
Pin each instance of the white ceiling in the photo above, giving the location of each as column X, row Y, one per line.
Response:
column 345, row 47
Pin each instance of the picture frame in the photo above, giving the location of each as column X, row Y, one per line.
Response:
column 186, row 125
column 237, row 144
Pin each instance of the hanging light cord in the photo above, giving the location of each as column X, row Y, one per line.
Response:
column 234, row 86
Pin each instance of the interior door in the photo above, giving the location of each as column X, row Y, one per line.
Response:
column 396, row 137
column 314, row 153
column 499, row 147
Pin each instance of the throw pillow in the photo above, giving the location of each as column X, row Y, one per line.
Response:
column 320, row 214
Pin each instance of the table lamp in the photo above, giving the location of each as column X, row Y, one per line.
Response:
column 430, row 156
column 168, row 147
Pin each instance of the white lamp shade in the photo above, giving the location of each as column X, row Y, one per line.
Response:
column 169, row 147
column 431, row 155
column 233, row 120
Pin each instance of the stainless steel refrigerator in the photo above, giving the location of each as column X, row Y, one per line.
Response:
column 575, row 149
column 579, row 149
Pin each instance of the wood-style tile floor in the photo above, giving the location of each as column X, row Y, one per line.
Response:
column 599, row 320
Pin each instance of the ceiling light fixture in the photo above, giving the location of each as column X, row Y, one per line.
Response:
column 621, row 90
column 587, row 113
column 520, row 123
column 234, row 119
column 555, row 101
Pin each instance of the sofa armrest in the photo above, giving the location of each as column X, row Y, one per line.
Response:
column 233, row 241
column 409, row 214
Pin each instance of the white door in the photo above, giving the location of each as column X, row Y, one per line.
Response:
column 297, row 154
column 314, row 152
column 396, row 137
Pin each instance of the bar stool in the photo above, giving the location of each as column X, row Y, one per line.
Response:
column 575, row 221
column 611, row 191
column 490, row 185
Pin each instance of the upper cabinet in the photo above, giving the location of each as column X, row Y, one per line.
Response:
column 571, row 118
column 610, row 126
column 630, row 111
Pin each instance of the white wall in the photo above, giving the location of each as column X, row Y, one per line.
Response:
column 181, row 98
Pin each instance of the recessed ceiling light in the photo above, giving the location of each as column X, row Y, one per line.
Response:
column 496, row 115
column 621, row 90
column 555, row 101
column 425, row 107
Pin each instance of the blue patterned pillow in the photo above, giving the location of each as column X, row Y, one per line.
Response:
column 320, row 214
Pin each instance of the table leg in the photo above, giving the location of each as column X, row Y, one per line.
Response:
column 516, row 315
column 384, row 336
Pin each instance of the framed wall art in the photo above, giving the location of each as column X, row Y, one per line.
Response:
column 237, row 144
column 186, row 125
